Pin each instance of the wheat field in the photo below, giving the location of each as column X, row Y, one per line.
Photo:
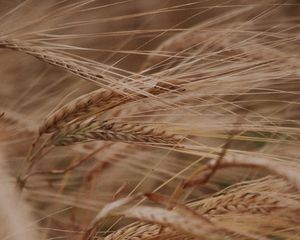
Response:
column 149, row 120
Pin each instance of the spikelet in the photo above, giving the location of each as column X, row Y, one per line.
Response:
column 137, row 231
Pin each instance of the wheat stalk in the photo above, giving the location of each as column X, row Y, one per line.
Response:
column 242, row 160
column 187, row 224
column 16, row 215
column 186, row 221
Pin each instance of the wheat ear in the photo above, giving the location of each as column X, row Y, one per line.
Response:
column 54, row 58
column 97, row 102
column 244, row 202
column 92, row 129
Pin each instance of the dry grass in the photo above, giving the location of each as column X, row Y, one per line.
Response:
column 150, row 120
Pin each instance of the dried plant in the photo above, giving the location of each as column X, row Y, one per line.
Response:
column 171, row 120
column 92, row 129
column 93, row 103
